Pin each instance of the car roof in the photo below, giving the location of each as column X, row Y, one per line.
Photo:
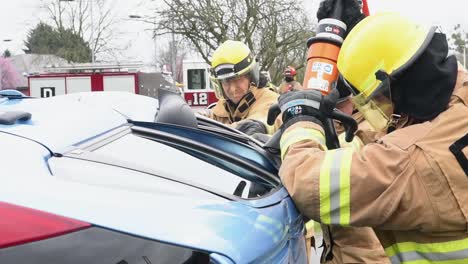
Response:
column 62, row 121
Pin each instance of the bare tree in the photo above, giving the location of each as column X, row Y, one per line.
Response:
column 93, row 20
column 459, row 43
column 276, row 30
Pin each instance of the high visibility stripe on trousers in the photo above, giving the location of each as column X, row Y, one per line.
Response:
column 335, row 187
column 451, row 252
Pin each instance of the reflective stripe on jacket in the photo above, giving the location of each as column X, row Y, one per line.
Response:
column 453, row 252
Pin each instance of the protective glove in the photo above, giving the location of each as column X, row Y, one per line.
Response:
column 310, row 106
column 300, row 106
column 251, row 126
column 306, row 105
column 351, row 12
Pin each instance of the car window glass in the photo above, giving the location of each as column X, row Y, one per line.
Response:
column 196, row 79
column 94, row 173
column 171, row 162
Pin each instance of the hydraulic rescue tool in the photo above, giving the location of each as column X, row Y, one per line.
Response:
column 320, row 80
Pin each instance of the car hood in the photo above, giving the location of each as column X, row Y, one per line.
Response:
column 215, row 225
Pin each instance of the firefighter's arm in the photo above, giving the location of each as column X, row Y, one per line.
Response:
column 355, row 144
column 206, row 113
column 361, row 138
column 376, row 186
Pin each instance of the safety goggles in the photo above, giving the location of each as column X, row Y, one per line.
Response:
column 375, row 104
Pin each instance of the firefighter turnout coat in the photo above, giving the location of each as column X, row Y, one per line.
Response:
column 254, row 105
column 353, row 244
column 411, row 186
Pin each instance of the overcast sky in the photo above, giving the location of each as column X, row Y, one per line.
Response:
column 19, row 16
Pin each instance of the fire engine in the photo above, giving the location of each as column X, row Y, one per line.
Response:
column 197, row 88
column 84, row 78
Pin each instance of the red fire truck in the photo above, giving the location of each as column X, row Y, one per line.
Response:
column 84, row 78
column 197, row 88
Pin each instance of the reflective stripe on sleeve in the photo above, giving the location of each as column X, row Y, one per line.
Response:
column 452, row 252
column 335, row 187
column 299, row 134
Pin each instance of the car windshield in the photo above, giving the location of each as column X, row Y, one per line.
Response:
column 186, row 166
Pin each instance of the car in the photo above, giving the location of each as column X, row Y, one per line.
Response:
column 121, row 178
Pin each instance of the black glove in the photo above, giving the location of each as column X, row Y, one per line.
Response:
column 251, row 126
column 351, row 12
column 306, row 105
column 311, row 106
column 342, row 88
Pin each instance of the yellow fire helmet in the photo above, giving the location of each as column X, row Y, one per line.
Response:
column 230, row 61
column 378, row 48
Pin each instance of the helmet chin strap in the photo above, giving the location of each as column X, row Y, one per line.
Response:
column 242, row 106
column 249, row 91
column 252, row 84
column 393, row 123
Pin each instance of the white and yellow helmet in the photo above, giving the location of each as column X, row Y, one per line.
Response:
column 231, row 60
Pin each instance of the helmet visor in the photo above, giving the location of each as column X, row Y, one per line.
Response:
column 376, row 106
column 220, row 75
column 222, row 85
column 216, row 85
column 225, row 71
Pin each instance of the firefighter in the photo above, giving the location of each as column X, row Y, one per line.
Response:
column 289, row 81
column 350, row 244
column 235, row 76
column 410, row 185
column 353, row 244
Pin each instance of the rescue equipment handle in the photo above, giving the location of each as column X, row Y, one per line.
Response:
column 329, row 114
